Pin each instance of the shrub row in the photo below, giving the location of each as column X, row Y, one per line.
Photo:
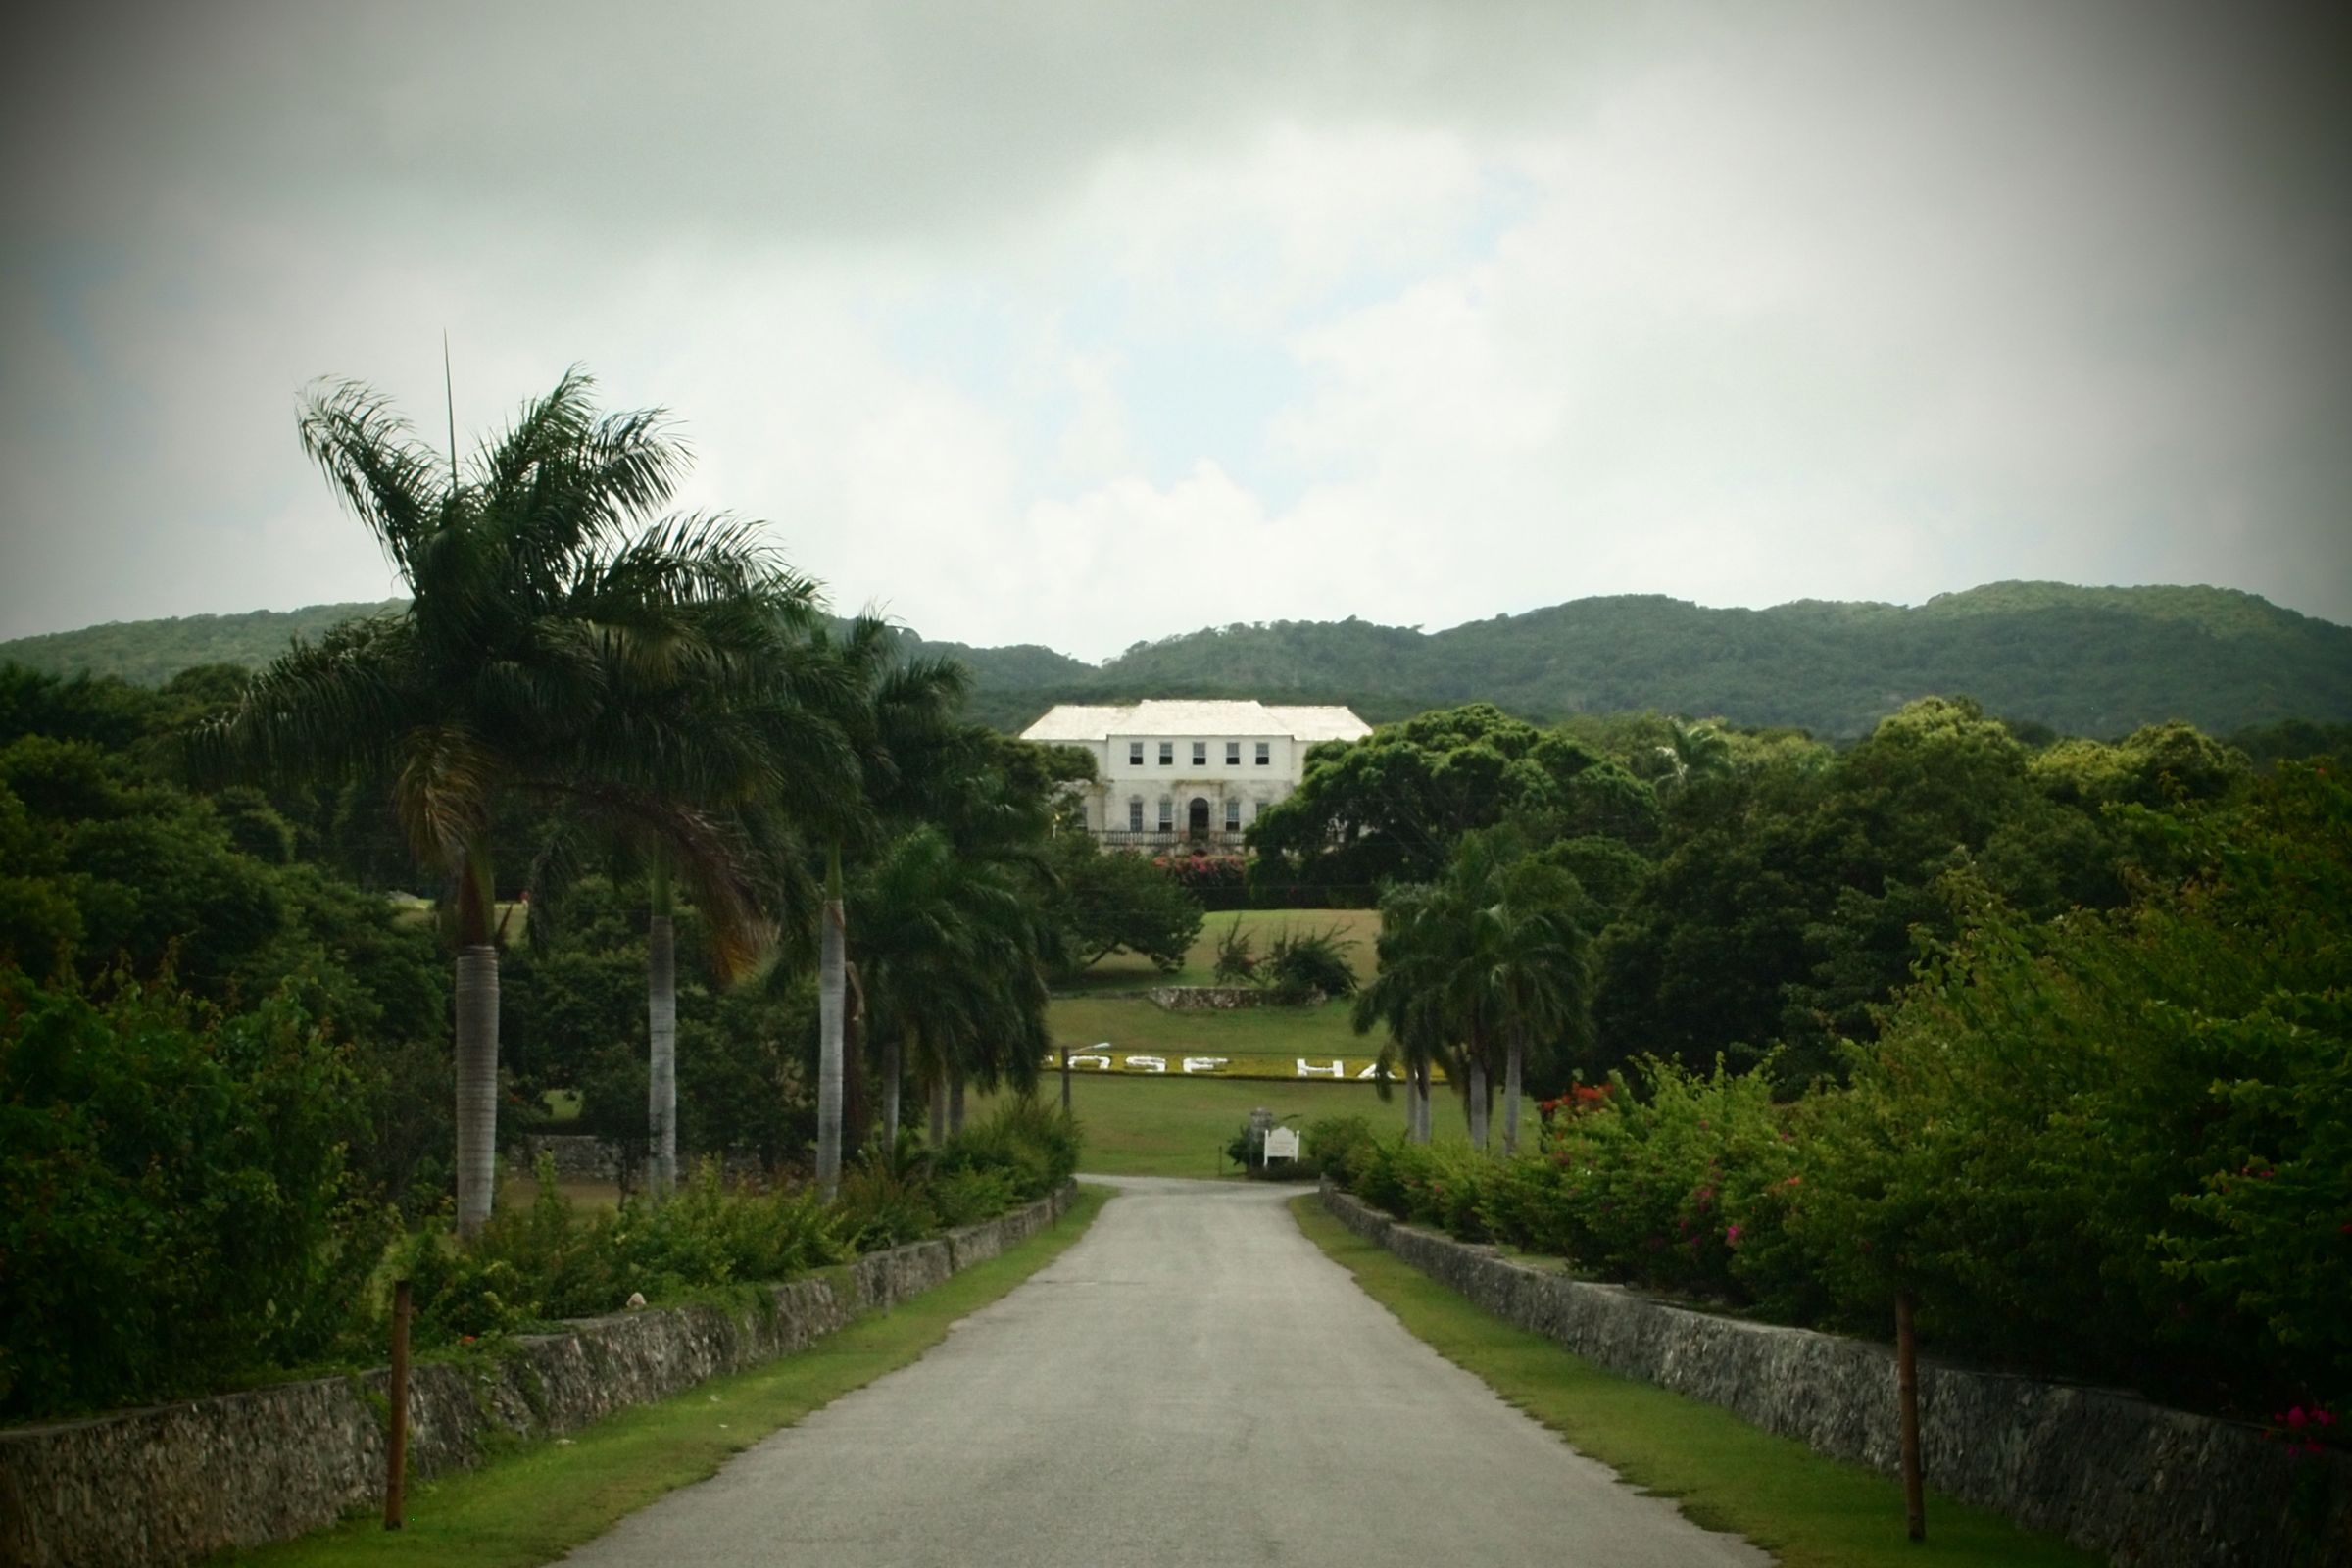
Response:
column 553, row 1260
column 2110, row 1146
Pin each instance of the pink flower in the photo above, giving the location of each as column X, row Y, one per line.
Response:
column 2296, row 1417
column 1731, row 1236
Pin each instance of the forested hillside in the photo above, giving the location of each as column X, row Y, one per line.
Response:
column 2096, row 662
column 149, row 653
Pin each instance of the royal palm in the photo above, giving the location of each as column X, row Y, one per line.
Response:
column 554, row 619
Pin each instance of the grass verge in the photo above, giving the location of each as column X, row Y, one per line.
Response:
column 1809, row 1511
column 537, row 1502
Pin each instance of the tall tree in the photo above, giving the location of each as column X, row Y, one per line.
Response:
column 551, row 609
column 1486, row 960
column 1406, row 997
column 899, row 718
column 1532, row 956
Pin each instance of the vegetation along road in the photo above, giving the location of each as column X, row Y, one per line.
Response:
column 1192, row 1383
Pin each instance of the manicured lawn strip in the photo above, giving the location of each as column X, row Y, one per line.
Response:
column 1809, row 1511
column 1279, row 1034
column 1173, row 1126
column 532, row 1505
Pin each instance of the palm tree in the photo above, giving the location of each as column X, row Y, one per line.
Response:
column 773, row 764
column 1531, row 953
column 1490, row 956
column 1407, row 996
column 951, row 972
column 552, row 621
column 897, row 714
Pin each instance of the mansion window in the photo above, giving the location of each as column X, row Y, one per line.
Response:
column 1233, row 754
column 1232, row 813
column 1167, row 814
column 1135, row 813
column 1168, row 754
column 1200, row 753
column 1134, row 753
column 1266, row 754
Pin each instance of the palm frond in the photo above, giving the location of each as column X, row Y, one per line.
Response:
column 321, row 712
column 388, row 478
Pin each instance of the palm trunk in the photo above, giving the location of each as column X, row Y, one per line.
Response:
column 856, row 1107
column 1418, row 1132
column 939, row 1111
column 891, row 1086
column 1478, row 1102
column 661, row 1024
column 477, row 1083
column 1513, row 1064
column 831, row 985
column 954, row 1105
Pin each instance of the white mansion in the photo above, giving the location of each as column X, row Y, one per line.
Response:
column 1190, row 772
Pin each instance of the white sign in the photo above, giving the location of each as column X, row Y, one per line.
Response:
column 1307, row 1069
column 1282, row 1143
column 1147, row 1064
column 1204, row 1063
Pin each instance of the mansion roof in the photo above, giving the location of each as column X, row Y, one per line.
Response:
column 1079, row 722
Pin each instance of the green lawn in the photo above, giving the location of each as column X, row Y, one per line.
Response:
column 1278, row 1034
column 532, row 1505
column 1172, row 1126
column 1125, row 971
column 1809, row 1511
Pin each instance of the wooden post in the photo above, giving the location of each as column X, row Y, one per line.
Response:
column 1906, row 1388
column 1066, row 1077
column 396, row 1447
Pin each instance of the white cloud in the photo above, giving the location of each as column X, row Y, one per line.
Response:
column 1090, row 324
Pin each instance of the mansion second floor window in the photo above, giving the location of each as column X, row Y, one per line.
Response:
column 1266, row 754
column 1168, row 754
column 1200, row 753
column 1134, row 753
column 1233, row 754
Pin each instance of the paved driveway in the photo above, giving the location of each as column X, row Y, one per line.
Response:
column 1194, row 1383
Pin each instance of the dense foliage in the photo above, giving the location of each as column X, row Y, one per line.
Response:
column 626, row 738
column 177, row 1201
column 1104, row 901
column 2111, row 1145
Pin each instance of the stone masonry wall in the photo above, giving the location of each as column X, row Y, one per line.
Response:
column 177, row 1483
column 1208, row 999
column 2111, row 1471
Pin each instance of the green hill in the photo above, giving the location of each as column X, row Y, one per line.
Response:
column 2084, row 661
column 149, row 653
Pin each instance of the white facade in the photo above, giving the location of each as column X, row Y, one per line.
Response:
column 1196, row 772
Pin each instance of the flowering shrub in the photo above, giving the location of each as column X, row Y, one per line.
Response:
column 1217, row 881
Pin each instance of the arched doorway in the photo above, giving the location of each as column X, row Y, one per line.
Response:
column 1197, row 818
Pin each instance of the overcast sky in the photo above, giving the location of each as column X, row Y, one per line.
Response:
column 1089, row 323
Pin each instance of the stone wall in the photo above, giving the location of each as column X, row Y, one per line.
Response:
column 2111, row 1471
column 579, row 1156
column 178, row 1483
column 1207, row 998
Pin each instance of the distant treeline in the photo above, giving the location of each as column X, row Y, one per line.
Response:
column 2090, row 661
